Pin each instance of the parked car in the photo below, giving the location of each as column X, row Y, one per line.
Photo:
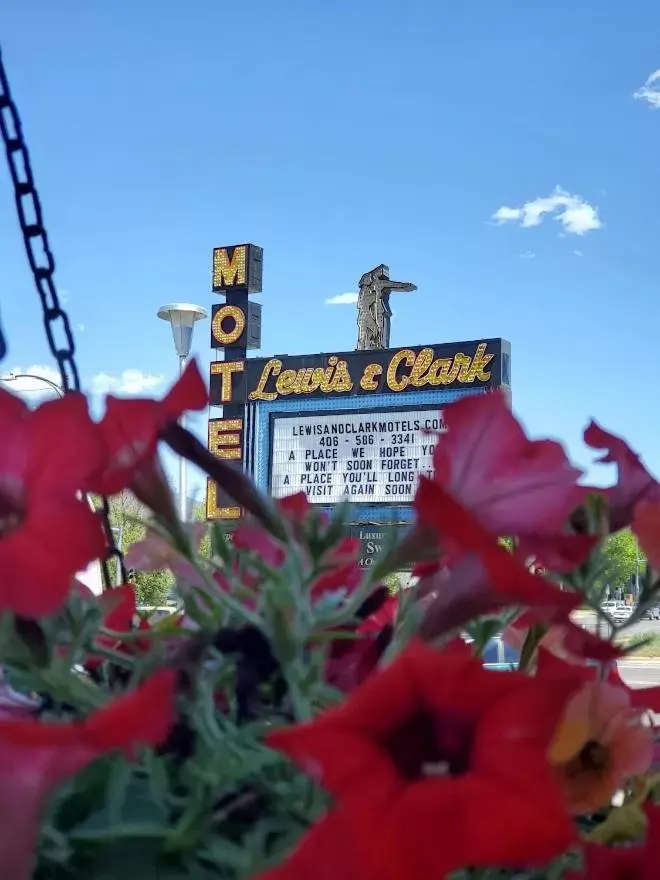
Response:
column 611, row 606
column 622, row 613
column 652, row 613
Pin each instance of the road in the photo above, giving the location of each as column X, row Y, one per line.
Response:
column 640, row 673
column 636, row 673
column 589, row 621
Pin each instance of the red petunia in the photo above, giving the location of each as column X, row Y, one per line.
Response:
column 516, row 486
column 488, row 577
column 47, row 531
column 130, row 428
column 36, row 757
column 121, row 606
column 424, row 748
column 341, row 568
column 566, row 639
column 634, row 483
column 296, row 507
column 641, row 862
column 352, row 661
column 256, row 540
column 619, row 862
column 339, row 564
column 550, row 665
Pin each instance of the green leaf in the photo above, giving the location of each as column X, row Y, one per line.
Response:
column 220, row 545
column 223, row 853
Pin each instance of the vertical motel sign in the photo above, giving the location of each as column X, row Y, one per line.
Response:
column 235, row 328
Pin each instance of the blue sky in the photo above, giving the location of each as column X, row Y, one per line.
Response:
column 339, row 136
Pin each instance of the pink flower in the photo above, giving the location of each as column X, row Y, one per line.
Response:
column 599, row 745
column 36, row 757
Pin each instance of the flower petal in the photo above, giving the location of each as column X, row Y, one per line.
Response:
column 515, row 485
column 39, row 560
column 646, row 525
column 36, row 757
column 634, row 481
column 511, row 581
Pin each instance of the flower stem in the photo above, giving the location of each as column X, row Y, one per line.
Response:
column 116, row 832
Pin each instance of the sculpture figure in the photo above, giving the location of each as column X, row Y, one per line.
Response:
column 374, row 312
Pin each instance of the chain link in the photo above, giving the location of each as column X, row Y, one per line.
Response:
column 42, row 264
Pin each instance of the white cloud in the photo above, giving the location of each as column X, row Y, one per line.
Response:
column 575, row 215
column 128, row 382
column 578, row 253
column 528, row 255
column 342, row 299
column 80, row 328
column 27, row 380
column 650, row 91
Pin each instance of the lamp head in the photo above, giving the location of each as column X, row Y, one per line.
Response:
column 182, row 318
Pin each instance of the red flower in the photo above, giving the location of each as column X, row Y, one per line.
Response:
column 618, row 862
column 296, row 507
column 515, row 486
column 130, row 430
column 256, row 540
column 640, row 862
column 47, row 532
column 36, row 757
column 351, row 661
column 634, row 482
column 427, row 568
column 566, row 639
column 342, row 570
column 120, row 617
column 425, row 747
column 550, row 665
column 472, row 589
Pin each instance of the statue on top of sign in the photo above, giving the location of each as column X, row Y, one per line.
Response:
column 374, row 310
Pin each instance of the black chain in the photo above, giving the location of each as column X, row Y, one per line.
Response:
column 42, row 264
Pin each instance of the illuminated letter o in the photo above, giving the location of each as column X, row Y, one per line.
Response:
column 228, row 337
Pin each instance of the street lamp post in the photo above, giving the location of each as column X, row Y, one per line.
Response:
column 118, row 532
column 13, row 377
column 182, row 317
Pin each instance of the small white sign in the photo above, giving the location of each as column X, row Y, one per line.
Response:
column 365, row 458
